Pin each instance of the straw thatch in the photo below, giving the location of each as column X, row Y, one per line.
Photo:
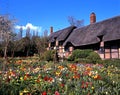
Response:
column 109, row 29
column 61, row 35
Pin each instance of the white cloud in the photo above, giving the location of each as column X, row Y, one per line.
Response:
column 31, row 26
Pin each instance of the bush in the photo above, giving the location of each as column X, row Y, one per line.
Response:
column 82, row 60
column 94, row 58
column 114, row 62
column 49, row 55
column 79, row 54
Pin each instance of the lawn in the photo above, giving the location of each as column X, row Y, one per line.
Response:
column 32, row 77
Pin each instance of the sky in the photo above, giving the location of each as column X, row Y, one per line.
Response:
column 40, row 15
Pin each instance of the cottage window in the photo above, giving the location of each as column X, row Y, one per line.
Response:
column 60, row 43
column 67, row 49
column 114, row 51
column 53, row 44
column 101, row 50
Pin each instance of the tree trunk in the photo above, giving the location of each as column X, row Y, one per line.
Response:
column 13, row 52
column 5, row 52
column 5, row 59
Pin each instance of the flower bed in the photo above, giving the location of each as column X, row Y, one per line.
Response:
column 36, row 78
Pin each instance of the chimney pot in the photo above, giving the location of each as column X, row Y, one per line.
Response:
column 92, row 18
column 51, row 30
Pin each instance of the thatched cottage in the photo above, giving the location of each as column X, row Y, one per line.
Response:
column 103, row 37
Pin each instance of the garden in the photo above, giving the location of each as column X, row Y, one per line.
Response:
column 30, row 76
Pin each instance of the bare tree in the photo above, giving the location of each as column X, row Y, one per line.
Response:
column 71, row 20
column 40, row 42
column 28, row 34
column 74, row 22
column 6, row 34
column 45, row 39
column 19, row 35
column 45, row 33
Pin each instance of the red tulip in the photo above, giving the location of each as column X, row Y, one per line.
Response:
column 57, row 93
column 44, row 93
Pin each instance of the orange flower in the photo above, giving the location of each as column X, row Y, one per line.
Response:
column 60, row 67
column 12, row 73
column 76, row 76
column 19, row 62
column 26, row 76
column 88, row 69
column 97, row 77
column 73, row 67
column 23, row 68
column 90, row 73
column 38, row 80
column 50, row 79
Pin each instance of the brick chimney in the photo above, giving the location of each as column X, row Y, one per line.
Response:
column 92, row 18
column 51, row 30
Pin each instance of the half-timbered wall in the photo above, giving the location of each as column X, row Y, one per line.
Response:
column 112, row 49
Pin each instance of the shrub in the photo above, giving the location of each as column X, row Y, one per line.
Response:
column 49, row 55
column 114, row 62
column 94, row 58
column 79, row 54
column 70, row 58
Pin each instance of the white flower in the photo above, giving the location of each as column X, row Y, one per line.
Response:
column 60, row 79
column 96, row 72
column 106, row 93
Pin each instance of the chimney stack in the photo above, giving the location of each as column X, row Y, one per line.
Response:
column 51, row 30
column 92, row 18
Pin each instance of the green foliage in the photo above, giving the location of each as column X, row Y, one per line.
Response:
column 32, row 77
column 94, row 58
column 49, row 55
column 85, row 56
column 79, row 54
column 89, row 56
column 110, row 62
column 18, row 45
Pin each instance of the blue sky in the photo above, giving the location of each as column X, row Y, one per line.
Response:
column 41, row 14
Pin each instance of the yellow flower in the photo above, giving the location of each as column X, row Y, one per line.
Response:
column 108, row 74
column 21, row 93
column 93, row 88
column 21, row 78
column 25, row 91
column 58, row 73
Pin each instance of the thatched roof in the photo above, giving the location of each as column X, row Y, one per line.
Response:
column 61, row 35
column 109, row 29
